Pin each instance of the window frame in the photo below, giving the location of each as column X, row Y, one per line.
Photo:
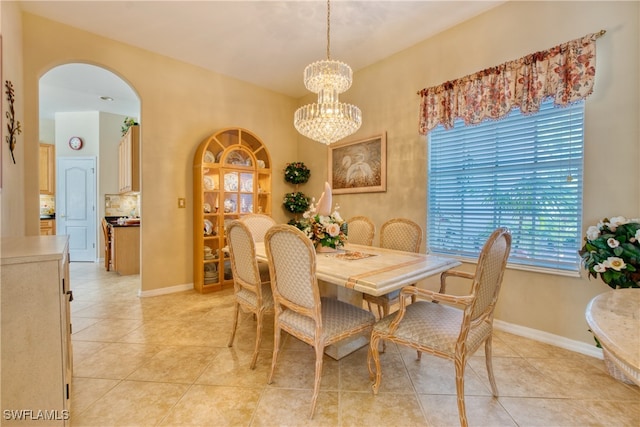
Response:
column 550, row 149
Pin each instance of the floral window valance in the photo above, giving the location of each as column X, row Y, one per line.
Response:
column 565, row 73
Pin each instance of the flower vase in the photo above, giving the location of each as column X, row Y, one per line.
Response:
column 325, row 249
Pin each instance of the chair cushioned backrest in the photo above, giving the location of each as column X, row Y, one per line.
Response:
column 401, row 234
column 360, row 231
column 491, row 265
column 243, row 254
column 258, row 225
column 292, row 258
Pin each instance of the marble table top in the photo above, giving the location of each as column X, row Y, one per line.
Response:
column 383, row 271
column 614, row 318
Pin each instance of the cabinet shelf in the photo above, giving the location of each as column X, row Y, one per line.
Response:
column 231, row 178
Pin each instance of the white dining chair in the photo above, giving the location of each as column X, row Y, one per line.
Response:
column 251, row 287
column 449, row 326
column 299, row 309
column 403, row 235
column 360, row 230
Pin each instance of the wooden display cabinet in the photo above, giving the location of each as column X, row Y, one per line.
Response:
column 231, row 178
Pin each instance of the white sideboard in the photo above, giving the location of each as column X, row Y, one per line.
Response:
column 36, row 331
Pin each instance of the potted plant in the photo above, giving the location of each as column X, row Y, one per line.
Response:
column 612, row 252
column 296, row 202
column 128, row 122
column 296, row 173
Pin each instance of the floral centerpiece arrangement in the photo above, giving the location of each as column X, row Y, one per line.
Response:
column 296, row 173
column 323, row 228
column 612, row 250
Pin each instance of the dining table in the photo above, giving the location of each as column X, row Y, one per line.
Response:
column 356, row 269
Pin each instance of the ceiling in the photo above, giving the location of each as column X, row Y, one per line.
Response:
column 266, row 43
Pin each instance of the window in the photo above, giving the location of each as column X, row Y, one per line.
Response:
column 523, row 172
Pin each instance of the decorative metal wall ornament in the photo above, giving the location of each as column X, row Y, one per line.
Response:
column 13, row 126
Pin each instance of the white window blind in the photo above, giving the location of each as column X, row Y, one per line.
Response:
column 522, row 172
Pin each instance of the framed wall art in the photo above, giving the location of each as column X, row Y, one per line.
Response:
column 359, row 166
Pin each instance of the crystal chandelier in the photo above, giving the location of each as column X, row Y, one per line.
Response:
column 328, row 120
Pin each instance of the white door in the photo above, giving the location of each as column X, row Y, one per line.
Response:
column 76, row 205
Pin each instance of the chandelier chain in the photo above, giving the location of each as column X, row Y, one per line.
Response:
column 328, row 29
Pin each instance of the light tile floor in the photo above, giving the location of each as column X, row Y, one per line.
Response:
column 164, row 361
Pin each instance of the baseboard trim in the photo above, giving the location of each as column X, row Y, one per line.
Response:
column 165, row 291
column 547, row 338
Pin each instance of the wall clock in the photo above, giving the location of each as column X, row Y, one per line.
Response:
column 75, row 143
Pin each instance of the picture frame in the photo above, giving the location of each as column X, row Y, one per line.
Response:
column 358, row 166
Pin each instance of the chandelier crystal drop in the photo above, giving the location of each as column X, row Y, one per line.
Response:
column 328, row 120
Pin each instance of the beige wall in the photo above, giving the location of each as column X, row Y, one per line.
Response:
column 386, row 93
column 182, row 104
column 13, row 175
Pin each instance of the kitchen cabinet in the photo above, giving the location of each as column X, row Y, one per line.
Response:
column 47, row 169
column 231, row 178
column 36, row 330
column 129, row 161
column 47, row 227
column 125, row 248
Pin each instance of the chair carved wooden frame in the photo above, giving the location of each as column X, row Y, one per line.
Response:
column 252, row 289
column 456, row 328
column 299, row 309
column 106, row 232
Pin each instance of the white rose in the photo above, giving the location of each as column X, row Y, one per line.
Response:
column 613, row 243
column 333, row 230
column 599, row 268
column 614, row 262
column 616, row 221
column 593, row 232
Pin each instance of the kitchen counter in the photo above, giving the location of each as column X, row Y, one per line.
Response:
column 124, row 225
column 48, row 225
column 125, row 247
column 113, row 221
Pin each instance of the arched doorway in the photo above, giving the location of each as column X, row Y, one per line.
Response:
column 88, row 102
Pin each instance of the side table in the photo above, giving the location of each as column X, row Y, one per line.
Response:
column 614, row 319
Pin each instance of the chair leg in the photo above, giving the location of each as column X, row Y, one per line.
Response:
column 375, row 355
column 316, row 385
column 462, row 413
column 276, row 347
column 258, row 316
column 235, row 324
column 489, row 361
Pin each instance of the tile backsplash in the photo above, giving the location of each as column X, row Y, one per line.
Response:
column 47, row 204
column 122, row 205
